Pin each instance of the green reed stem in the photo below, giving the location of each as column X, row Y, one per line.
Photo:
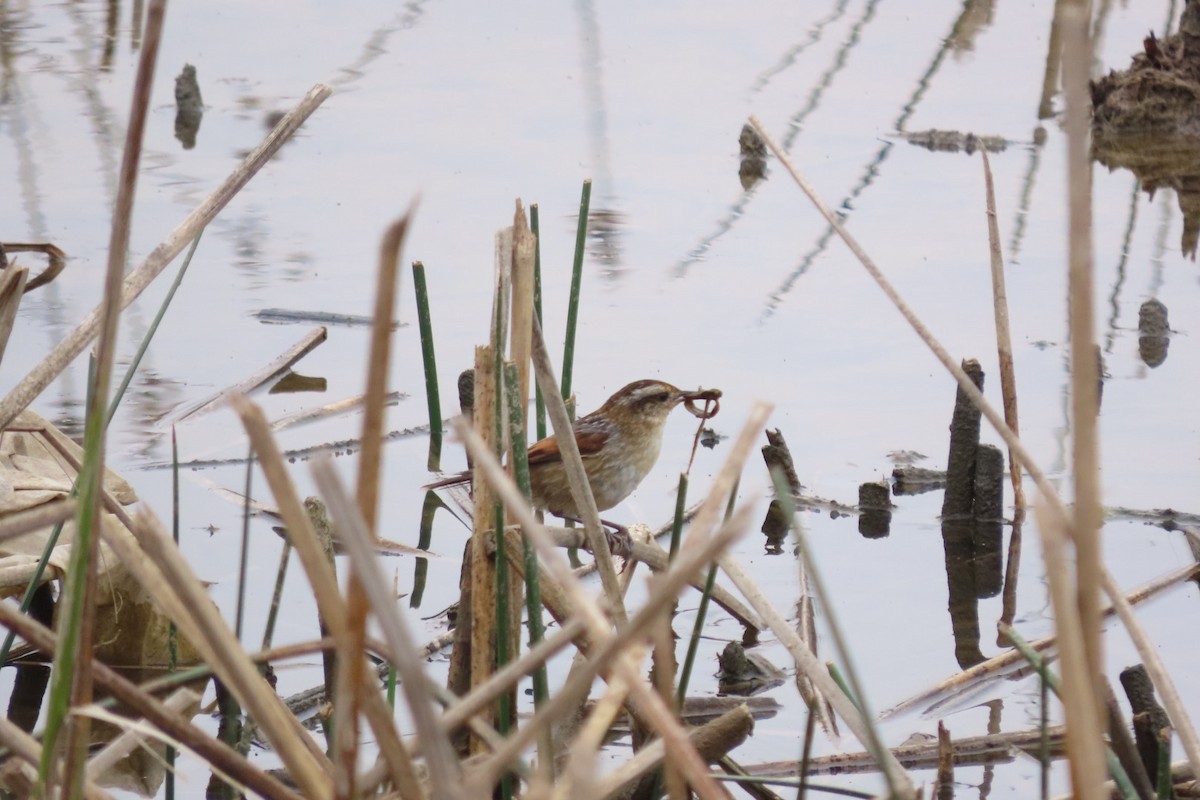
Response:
column 158, row 316
column 71, row 602
column 533, row 591
column 539, row 404
column 840, row 680
column 1166, row 785
column 680, row 512
column 277, row 595
column 503, row 611
column 576, row 280
column 244, row 556
column 689, row 660
column 172, row 631
column 425, row 322
column 424, row 537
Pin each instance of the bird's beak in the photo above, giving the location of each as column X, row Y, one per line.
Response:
column 711, row 398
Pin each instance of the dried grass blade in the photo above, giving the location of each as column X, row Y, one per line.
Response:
column 12, row 286
column 1085, row 455
column 306, row 764
column 1008, row 376
column 581, row 490
column 444, row 769
column 140, row 702
column 324, row 586
column 1084, row 725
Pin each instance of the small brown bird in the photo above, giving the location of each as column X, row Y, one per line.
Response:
column 619, row 443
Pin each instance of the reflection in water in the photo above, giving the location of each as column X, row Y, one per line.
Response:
column 870, row 172
column 789, row 58
column 1153, row 333
column 375, row 46
column 604, row 233
column 977, row 16
column 605, row 221
column 795, row 125
column 189, row 107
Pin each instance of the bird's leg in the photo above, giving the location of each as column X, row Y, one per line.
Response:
column 617, row 535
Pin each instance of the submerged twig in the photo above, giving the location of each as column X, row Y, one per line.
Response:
column 276, row 367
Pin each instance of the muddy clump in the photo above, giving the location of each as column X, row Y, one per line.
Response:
column 1147, row 119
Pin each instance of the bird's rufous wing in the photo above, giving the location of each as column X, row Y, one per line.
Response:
column 546, row 451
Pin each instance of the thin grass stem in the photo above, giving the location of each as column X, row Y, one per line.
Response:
column 533, row 592
column 136, row 361
column 244, row 554
column 539, row 406
column 680, row 513
column 568, row 370
column 429, row 359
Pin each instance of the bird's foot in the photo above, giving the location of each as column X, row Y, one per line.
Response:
column 620, row 543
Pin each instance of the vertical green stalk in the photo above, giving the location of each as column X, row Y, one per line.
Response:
column 576, row 279
column 73, row 582
column 503, row 612
column 244, row 556
column 680, row 508
column 685, row 673
column 172, row 631
column 427, row 356
column 424, row 537
column 533, row 591
column 145, row 343
column 539, row 405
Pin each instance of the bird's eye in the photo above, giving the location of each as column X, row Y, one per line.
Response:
column 661, row 397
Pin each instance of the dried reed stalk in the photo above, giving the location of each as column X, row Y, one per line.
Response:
column 1159, row 676
column 140, row 702
column 1008, row 376
column 276, row 367
column 512, row 672
column 29, row 750
column 130, row 740
column 581, row 490
column 444, row 770
column 38, row 517
column 324, row 585
column 1085, row 455
column 306, row 764
column 482, row 574
column 138, row 279
column 963, row 681
column 350, row 676
column 12, row 286
column 521, row 338
column 1084, row 723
